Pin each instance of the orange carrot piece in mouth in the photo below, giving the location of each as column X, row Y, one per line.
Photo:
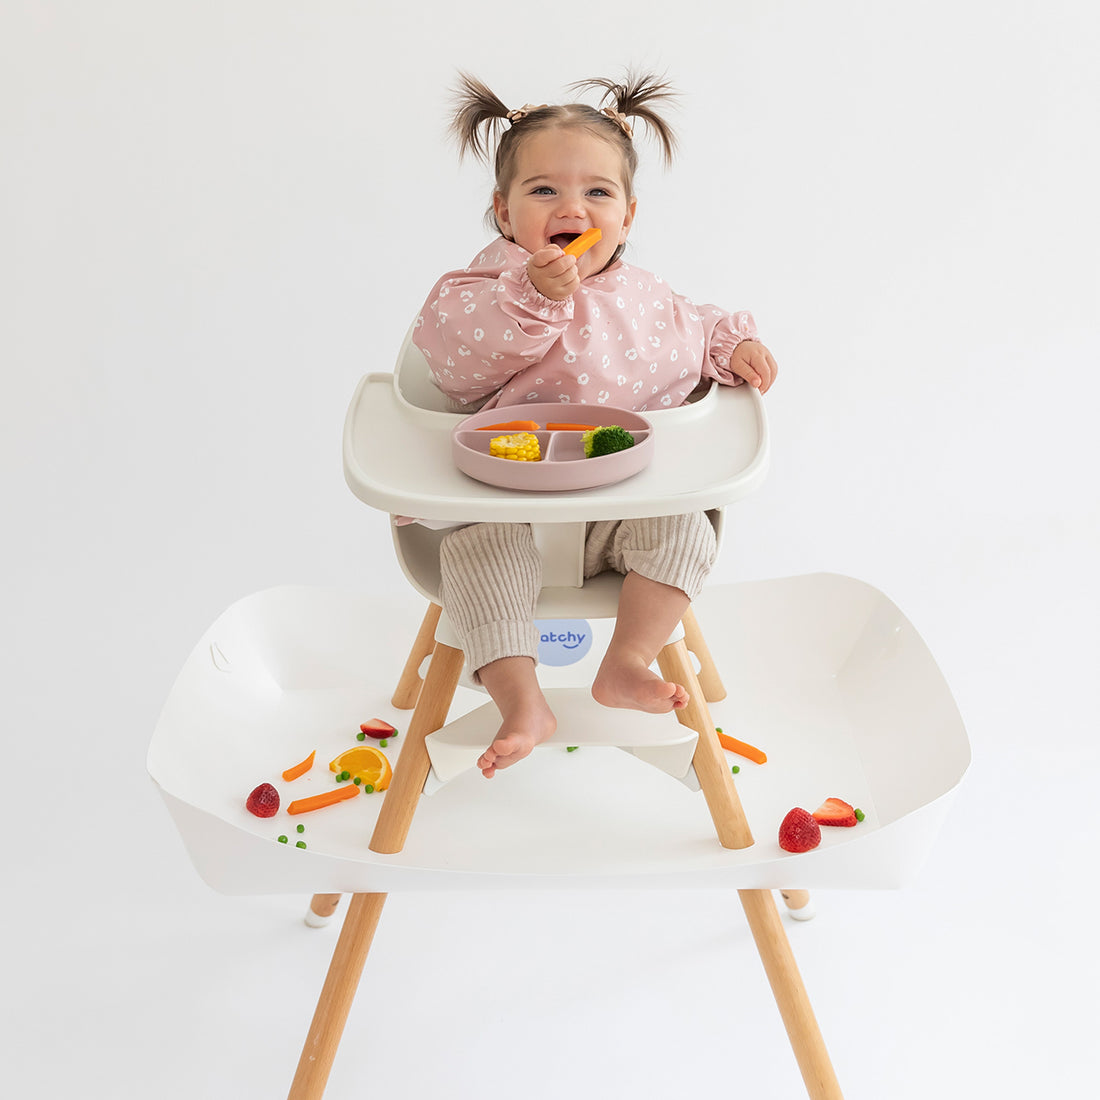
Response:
column 583, row 243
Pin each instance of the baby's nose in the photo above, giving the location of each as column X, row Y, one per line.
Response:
column 572, row 207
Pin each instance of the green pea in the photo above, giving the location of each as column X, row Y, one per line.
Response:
column 735, row 769
column 360, row 736
column 300, row 844
column 357, row 781
column 369, row 788
column 717, row 729
column 282, row 840
column 860, row 815
column 383, row 742
column 572, row 748
column 301, row 828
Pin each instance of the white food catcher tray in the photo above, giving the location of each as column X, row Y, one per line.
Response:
column 823, row 673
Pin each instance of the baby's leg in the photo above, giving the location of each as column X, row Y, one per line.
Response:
column 666, row 560
column 526, row 717
column 648, row 614
column 491, row 574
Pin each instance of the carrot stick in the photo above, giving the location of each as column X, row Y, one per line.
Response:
column 570, row 427
column 750, row 752
column 511, row 426
column 583, row 243
column 319, row 801
column 300, row 769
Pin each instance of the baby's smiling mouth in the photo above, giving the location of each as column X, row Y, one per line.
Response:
column 562, row 239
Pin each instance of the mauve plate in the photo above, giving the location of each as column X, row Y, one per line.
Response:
column 563, row 465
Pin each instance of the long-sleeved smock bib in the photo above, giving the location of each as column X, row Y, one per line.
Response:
column 623, row 338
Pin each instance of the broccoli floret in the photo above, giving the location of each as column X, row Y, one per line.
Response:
column 606, row 441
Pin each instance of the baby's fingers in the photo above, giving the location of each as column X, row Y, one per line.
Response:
column 553, row 273
column 756, row 365
column 766, row 368
column 551, row 261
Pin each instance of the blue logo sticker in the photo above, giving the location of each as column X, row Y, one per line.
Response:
column 563, row 641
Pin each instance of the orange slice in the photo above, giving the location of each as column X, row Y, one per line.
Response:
column 366, row 763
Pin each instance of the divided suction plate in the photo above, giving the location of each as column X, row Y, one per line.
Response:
column 563, row 466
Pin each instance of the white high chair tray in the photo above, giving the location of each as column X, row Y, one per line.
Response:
column 823, row 672
column 397, row 456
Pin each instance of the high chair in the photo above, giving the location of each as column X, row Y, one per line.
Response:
column 381, row 419
column 823, row 673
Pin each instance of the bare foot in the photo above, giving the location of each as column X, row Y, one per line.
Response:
column 520, row 731
column 632, row 685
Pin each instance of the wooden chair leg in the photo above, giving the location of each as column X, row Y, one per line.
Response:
column 714, row 774
column 799, row 904
column 713, row 688
column 759, row 905
column 408, row 687
column 321, row 908
column 413, row 763
column 790, row 995
column 337, row 996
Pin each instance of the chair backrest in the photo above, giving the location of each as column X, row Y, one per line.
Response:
column 413, row 380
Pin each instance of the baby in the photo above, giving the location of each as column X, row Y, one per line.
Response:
column 528, row 322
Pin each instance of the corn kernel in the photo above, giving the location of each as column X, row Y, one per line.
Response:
column 520, row 447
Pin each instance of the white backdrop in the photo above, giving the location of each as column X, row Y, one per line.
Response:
column 215, row 216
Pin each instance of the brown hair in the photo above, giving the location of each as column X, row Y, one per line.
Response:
column 480, row 117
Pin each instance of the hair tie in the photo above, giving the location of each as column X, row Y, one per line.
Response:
column 620, row 119
column 522, row 112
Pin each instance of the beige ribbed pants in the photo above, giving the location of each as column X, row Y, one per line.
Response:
column 492, row 574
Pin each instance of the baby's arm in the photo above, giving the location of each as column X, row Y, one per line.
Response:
column 477, row 332
column 734, row 353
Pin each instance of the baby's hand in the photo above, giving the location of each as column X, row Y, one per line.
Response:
column 753, row 362
column 553, row 273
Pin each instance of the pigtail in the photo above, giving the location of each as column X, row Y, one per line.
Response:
column 635, row 97
column 479, row 118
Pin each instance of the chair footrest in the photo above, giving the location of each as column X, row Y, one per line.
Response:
column 658, row 739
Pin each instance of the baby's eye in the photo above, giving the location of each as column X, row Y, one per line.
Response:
column 542, row 190
column 600, row 192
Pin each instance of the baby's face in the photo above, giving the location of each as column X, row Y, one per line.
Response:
column 567, row 180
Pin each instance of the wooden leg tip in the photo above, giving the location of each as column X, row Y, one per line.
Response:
column 321, row 909
column 800, row 904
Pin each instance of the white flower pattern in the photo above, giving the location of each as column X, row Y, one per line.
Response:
column 533, row 348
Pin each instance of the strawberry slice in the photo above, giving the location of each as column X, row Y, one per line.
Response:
column 835, row 811
column 378, row 729
column 263, row 801
column 799, row 832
